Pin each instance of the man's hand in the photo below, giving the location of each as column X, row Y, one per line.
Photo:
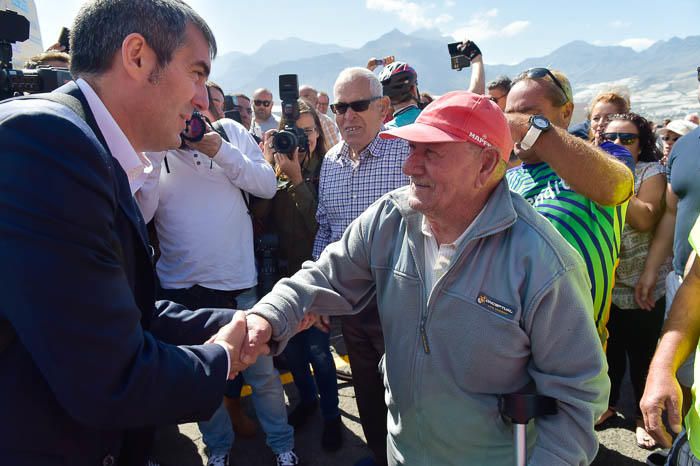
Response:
column 232, row 336
column 257, row 339
column 661, row 392
column 323, row 323
column 209, row 145
column 290, row 167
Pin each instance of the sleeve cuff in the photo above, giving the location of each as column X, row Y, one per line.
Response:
column 228, row 357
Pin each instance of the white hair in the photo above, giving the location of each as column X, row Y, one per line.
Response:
column 351, row 74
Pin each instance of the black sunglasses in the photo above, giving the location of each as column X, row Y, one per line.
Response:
column 537, row 73
column 357, row 106
column 626, row 139
column 264, row 103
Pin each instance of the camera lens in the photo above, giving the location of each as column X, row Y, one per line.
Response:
column 196, row 128
column 284, row 142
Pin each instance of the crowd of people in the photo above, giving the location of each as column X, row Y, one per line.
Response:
column 472, row 245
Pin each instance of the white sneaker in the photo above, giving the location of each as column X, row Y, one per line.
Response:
column 218, row 460
column 288, row 458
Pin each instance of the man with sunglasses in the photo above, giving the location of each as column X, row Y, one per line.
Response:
column 578, row 187
column 355, row 173
column 262, row 107
column 478, row 296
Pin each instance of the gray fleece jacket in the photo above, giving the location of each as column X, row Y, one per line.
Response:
column 514, row 309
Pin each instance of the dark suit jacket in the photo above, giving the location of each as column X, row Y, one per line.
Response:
column 93, row 361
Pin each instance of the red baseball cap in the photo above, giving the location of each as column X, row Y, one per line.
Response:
column 459, row 116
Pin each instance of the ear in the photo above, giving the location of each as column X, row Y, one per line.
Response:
column 385, row 103
column 490, row 158
column 567, row 111
column 137, row 58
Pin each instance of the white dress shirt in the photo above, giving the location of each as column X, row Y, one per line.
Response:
column 203, row 225
column 136, row 165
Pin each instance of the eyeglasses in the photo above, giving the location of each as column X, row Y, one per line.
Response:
column 626, row 139
column 357, row 106
column 670, row 138
column 264, row 103
column 538, row 73
column 495, row 99
column 308, row 131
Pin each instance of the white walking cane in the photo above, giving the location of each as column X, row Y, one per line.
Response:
column 520, row 408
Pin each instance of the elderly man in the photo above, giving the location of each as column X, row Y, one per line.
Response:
column 322, row 104
column 262, row 108
column 478, row 295
column 330, row 130
column 88, row 358
column 354, row 174
column 578, row 187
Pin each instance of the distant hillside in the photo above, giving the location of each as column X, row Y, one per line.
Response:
column 661, row 79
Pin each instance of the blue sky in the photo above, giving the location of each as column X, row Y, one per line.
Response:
column 507, row 31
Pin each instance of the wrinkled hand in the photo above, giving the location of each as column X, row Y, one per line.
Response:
column 257, row 338
column 232, row 336
column 209, row 145
column 644, row 290
column 661, row 393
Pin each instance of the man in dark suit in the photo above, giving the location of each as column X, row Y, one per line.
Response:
column 87, row 360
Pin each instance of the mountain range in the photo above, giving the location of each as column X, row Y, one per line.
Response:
column 660, row 79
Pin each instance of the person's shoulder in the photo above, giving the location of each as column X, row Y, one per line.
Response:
column 686, row 144
column 539, row 239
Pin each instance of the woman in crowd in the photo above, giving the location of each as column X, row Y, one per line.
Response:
column 634, row 331
column 291, row 214
column 673, row 131
column 602, row 105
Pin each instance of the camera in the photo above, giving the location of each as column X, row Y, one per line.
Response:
column 196, row 128
column 15, row 28
column 291, row 137
column 462, row 54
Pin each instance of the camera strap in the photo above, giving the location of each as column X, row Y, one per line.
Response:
column 219, row 128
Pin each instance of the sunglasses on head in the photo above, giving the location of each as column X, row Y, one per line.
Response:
column 626, row 139
column 670, row 138
column 538, row 73
column 339, row 108
column 264, row 103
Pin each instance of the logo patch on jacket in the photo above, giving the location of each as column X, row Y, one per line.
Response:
column 494, row 306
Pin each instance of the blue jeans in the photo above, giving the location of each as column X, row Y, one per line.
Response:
column 313, row 346
column 245, row 300
column 268, row 399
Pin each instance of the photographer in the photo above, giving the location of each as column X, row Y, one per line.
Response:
column 195, row 195
column 291, row 215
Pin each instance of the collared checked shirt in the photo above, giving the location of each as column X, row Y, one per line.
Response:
column 347, row 188
column 330, row 130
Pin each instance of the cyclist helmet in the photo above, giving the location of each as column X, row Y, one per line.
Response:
column 397, row 79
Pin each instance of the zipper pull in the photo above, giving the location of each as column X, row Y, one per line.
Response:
column 424, row 337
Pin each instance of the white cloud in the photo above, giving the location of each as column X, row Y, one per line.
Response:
column 409, row 12
column 638, row 44
column 482, row 26
column 450, row 3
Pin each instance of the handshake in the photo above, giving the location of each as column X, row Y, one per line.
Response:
column 248, row 336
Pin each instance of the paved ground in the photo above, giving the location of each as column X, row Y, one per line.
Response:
column 182, row 445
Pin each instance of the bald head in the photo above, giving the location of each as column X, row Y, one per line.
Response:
column 309, row 94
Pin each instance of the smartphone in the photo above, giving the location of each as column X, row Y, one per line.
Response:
column 64, row 39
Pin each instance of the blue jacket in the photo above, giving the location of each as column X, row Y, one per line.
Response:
column 93, row 363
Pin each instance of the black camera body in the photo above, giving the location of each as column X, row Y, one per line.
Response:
column 196, row 128
column 461, row 55
column 15, row 28
column 291, row 137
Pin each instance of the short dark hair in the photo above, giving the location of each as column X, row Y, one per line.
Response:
column 101, row 26
column 212, row 85
column 501, row 82
column 648, row 150
column 243, row 96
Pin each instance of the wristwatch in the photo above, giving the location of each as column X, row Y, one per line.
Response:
column 538, row 125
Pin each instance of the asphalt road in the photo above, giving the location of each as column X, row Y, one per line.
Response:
column 182, row 445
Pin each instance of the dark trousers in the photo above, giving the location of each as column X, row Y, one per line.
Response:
column 365, row 343
column 198, row 297
column 633, row 334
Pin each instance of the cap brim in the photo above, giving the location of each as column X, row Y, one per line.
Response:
column 419, row 132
